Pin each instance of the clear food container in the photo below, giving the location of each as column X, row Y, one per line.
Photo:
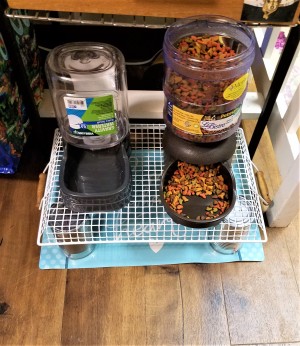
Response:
column 88, row 86
column 207, row 61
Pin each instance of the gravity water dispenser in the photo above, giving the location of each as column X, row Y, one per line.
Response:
column 88, row 86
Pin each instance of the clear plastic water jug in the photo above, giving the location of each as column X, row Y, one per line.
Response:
column 88, row 86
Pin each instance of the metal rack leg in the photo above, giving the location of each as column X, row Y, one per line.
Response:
column 278, row 79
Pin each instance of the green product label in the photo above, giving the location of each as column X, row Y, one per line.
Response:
column 91, row 116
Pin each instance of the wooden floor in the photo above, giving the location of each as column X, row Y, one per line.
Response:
column 189, row 304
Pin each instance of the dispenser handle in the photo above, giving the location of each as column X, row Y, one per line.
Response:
column 263, row 187
column 41, row 188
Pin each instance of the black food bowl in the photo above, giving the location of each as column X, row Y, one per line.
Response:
column 194, row 210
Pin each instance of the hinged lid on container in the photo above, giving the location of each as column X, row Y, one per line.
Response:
column 89, row 91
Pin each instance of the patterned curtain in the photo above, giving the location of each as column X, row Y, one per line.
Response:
column 14, row 122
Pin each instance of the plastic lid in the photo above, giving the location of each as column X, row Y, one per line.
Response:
column 84, row 57
column 90, row 59
column 89, row 67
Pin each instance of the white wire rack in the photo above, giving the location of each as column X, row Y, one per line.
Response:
column 144, row 220
column 78, row 18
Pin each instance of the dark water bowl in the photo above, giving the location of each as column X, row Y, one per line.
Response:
column 95, row 180
column 196, row 205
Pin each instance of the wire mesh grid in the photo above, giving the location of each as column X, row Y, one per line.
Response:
column 80, row 18
column 144, row 218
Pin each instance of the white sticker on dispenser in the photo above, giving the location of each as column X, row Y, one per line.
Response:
column 91, row 116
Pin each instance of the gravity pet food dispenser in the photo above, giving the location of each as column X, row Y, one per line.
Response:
column 88, row 86
column 207, row 61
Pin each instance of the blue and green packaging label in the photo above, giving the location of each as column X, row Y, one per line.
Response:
column 91, row 116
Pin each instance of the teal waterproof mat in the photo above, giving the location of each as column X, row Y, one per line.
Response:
column 142, row 233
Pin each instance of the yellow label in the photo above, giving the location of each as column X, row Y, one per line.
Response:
column 186, row 121
column 236, row 89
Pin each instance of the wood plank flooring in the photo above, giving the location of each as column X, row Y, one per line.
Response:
column 245, row 303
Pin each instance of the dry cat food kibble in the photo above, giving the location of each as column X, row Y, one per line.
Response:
column 196, row 95
column 207, row 61
column 196, row 92
column 205, row 47
column 193, row 180
column 202, row 97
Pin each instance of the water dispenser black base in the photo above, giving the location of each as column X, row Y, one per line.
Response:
column 95, row 180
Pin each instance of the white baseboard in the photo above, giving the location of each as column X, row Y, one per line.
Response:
column 145, row 104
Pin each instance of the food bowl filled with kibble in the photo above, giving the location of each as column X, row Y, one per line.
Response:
column 207, row 62
column 197, row 196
